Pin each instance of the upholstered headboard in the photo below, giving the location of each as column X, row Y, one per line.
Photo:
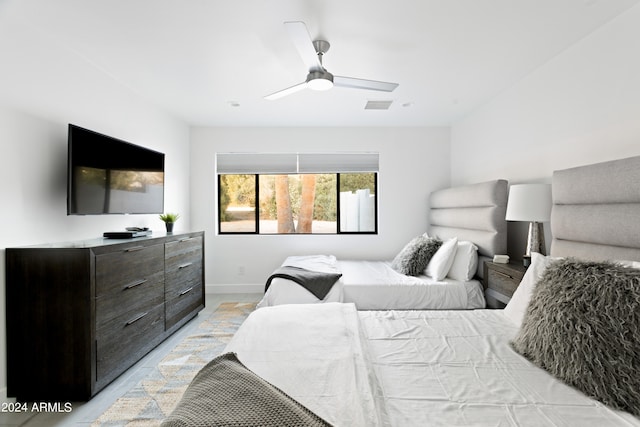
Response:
column 473, row 212
column 596, row 211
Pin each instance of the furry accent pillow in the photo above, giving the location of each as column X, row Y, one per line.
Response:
column 414, row 257
column 583, row 326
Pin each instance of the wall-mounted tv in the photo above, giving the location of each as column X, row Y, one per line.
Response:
column 108, row 176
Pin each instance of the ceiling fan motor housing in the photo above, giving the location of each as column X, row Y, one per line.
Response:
column 319, row 80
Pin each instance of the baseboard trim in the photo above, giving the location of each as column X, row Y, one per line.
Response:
column 4, row 397
column 234, row 289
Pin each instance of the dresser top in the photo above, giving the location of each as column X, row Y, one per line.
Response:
column 103, row 241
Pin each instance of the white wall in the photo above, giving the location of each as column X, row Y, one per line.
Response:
column 413, row 162
column 43, row 88
column 582, row 107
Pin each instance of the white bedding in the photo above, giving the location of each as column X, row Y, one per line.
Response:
column 374, row 285
column 409, row 368
column 312, row 352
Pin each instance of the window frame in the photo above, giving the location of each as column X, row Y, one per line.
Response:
column 256, row 210
column 375, row 206
column 257, row 207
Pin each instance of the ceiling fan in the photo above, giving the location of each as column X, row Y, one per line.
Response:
column 319, row 78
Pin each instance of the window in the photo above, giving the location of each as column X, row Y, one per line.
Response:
column 357, row 202
column 322, row 202
column 237, row 203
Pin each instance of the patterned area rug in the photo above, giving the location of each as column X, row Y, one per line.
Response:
column 154, row 397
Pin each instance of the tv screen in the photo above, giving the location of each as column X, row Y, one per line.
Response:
column 109, row 176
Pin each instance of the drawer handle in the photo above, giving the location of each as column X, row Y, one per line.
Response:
column 186, row 291
column 134, row 284
column 185, row 265
column 132, row 321
column 134, row 249
column 503, row 274
column 186, row 239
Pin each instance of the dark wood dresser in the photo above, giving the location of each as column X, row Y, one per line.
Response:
column 81, row 313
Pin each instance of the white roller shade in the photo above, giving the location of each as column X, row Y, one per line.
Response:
column 337, row 162
column 250, row 163
column 290, row 163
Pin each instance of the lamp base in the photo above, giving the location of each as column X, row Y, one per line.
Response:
column 535, row 239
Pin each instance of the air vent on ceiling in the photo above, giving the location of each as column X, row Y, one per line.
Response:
column 378, row 105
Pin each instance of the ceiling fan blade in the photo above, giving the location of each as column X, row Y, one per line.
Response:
column 363, row 84
column 302, row 40
column 288, row 91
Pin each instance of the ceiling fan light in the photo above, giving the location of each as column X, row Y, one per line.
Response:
column 320, row 80
column 320, row 84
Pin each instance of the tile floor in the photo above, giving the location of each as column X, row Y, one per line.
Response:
column 83, row 414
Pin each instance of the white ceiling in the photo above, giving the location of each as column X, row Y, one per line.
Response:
column 199, row 58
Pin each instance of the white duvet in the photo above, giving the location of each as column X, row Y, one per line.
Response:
column 374, row 285
column 314, row 354
column 409, row 368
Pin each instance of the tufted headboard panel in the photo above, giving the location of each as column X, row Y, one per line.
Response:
column 596, row 211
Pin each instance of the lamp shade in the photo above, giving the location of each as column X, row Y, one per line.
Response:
column 529, row 202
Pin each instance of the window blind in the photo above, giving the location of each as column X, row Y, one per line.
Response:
column 337, row 162
column 291, row 163
column 250, row 163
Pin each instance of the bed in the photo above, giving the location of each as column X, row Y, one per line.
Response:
column 467, row 220
column 349, row 367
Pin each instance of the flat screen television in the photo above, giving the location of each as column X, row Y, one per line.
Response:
column 108, row 176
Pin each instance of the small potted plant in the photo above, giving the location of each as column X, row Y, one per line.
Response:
column 169, row 219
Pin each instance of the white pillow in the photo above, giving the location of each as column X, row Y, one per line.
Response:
column 517, row 306
column 441, row 261
column 465, row 263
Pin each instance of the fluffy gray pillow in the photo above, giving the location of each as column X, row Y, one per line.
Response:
column 583, row 326
column 414, row 257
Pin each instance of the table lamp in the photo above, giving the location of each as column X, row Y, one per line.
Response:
column 532, row 203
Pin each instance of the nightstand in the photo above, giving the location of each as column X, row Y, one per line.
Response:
column 501, row 281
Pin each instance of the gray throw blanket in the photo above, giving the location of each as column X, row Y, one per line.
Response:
column 225, row 393
column 316, row 282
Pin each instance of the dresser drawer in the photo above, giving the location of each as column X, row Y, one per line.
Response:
column 139, row 296
column 125, row 339
column 182, row 251
column 502, row 282
column 118, row 270
column 189, row 300
column 183, row 266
